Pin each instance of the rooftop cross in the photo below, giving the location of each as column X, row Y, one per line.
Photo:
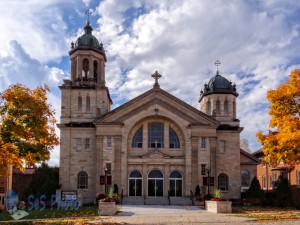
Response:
column 156, row 76
column 88, row 13
column 217, row 63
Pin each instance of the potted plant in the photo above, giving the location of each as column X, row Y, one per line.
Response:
column 218, row 204
column 108, row 205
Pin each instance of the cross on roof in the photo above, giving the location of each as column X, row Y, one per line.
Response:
column 217, row 63
column 88, row 13
column 156, row 76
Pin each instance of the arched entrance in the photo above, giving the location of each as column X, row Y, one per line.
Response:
column 155, row 183
column 135, row 183
column 175, row 184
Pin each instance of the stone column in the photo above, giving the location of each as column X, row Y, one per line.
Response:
column 145, row 176
column 166, row 136
column 91, row 67
column 166, row 179
column 188, row 166
column 102, row 73
column 117, row 163
column 99, row 163
column 123, row 166
column 79, row 65
column 213, row 158
column 195, row 175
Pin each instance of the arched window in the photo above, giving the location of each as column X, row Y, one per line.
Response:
column 82, row 180
column 88, row 103
column 176, row 184
column 155, row 183
column 155, row 135
column 85, row 68
column 245, row 177
column 137, row 140
column 226, row 111
column 208, row 108
column 79, row 103
column 173, row 139
column 223, row 182
column 135, row 183
column 95, row 70
column 218, row 107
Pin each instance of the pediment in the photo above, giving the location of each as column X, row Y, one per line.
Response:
column 164, row 100
column 155, row 154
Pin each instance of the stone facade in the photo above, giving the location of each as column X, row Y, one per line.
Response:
column 155, row 145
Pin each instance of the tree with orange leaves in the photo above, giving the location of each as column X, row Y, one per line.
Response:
column 27, row 127
column 282, row 143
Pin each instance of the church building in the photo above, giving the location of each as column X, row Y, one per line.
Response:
column 153, row 146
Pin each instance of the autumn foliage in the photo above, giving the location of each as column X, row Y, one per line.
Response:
column 282, row 143
column 27, row 132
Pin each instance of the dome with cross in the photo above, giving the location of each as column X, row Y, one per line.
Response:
column 218, row 85
column 88, row 41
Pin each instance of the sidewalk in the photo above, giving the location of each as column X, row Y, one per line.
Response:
column 150, row 214
column 146, row 214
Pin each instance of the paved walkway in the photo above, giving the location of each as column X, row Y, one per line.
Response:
column 144, row 214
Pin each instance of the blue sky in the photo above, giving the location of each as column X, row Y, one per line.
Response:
column 257, row 42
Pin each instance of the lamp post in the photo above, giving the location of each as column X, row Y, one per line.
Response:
column 105, row 179
column 208, row 170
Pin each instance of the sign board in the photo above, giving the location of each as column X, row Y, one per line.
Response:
column 69, row 195
column 211, row 183
column 19, row 214
column 106, row 181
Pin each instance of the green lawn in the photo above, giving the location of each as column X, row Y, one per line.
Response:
column 85, row 211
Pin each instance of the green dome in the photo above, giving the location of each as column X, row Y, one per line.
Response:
column 218, row 85
column 88, row 42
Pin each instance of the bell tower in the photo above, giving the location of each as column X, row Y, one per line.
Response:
column 85, row 96
column 218, row 99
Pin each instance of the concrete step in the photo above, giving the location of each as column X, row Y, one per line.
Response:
column 157, row 201
column 180, row 201
column 133, row 200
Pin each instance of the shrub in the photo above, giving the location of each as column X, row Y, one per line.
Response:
column 255, row 190
column 283, row 193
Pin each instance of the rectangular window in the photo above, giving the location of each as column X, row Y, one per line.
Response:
column 87, row 143
column 78, row 144
column 298, row 178
column 271, row 182
column 155, row 135
column 203, row 143
column 108, row 168
column 264, row 182
column 109, row 142
column 203, row 169
column 222, row 146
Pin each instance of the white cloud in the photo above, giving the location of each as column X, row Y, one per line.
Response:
column 255, row 43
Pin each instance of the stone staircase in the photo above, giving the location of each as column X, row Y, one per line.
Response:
column 180, row 201
column 156, row 201
column 133, row 200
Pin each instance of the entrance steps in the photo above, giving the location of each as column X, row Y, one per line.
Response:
column 180, row 201
column 133, row 200
column 156, row 201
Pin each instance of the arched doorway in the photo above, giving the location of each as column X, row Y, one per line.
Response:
column 155, row 183
column 135, row 183
column 175, row 184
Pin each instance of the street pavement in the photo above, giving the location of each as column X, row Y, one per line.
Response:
column 146, row 214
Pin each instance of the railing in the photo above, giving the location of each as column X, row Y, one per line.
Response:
column 169, row 199
column 192, row 197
